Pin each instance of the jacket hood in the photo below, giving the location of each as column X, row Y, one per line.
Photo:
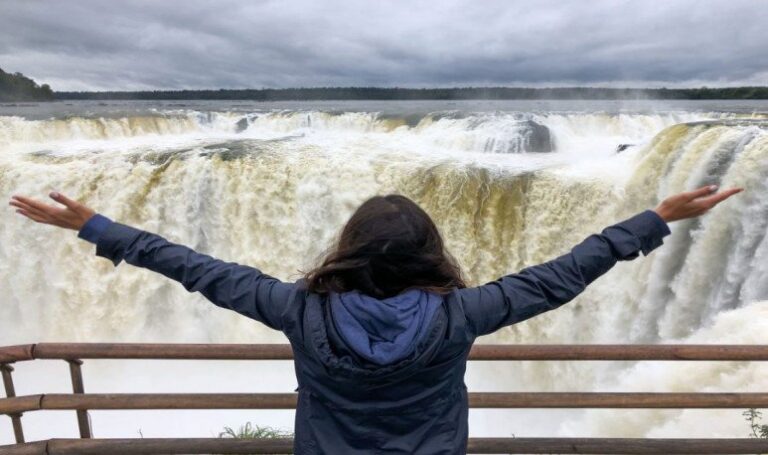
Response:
column 383, row 331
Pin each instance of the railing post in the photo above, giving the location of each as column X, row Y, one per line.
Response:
column 83, row 419
column 10, row 392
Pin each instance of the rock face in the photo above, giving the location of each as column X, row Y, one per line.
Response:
column 536, row 138
column 241, row 125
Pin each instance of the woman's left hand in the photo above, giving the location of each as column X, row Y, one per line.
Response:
column 72, row 216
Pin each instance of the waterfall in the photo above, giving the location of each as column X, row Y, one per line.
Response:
column 272, row 190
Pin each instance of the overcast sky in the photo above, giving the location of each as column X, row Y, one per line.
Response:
column 173, row 44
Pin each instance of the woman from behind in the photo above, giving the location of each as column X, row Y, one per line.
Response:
column 382, row 328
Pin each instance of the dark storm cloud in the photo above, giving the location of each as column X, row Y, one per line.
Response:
column 125, row 45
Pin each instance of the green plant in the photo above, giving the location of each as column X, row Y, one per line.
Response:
column 754, row 418
column 251, row 431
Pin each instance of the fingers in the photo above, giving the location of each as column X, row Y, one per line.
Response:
column 26, row 207
column 715, row 199
column 693, row 203
column 699, row 192
column 35, row 210
column 37, row 205
column 72, row 216
column 30, row 212
column 61, row 199
column 31, row 216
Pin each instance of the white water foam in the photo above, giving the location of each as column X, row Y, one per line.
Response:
column 239, row 195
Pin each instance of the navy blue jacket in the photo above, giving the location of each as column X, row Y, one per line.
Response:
column 347, row 404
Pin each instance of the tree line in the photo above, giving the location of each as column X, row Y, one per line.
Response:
column 17, row 87
column 466, row 93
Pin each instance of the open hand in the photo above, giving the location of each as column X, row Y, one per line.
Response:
column 692, row 203
column 72, row 216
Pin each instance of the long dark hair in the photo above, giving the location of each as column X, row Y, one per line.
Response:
column 389, row 245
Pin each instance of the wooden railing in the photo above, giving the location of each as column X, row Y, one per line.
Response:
column 81, row 402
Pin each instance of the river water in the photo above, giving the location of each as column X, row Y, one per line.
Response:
column 509, row 183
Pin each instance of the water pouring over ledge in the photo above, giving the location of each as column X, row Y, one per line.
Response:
column 194, row 177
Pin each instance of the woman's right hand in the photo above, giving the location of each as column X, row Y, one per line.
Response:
column 692, row 203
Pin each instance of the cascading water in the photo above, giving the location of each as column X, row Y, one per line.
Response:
column 271, row 189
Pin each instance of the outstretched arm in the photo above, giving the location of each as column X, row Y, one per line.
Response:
column 229, row 285
column 534, row 290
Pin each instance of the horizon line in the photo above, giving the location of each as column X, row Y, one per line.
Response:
column 374, row 87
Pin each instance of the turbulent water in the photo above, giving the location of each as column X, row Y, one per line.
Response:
column 509, row 187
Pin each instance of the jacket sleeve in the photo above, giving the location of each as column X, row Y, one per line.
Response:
column 534, row 290
column 240, row 288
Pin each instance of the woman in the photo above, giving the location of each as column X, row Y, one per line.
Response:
column 382, row 328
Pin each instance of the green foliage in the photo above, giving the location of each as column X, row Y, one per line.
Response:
column 459, row 93
column 17, row 87
column 250, row 431
column 754, row 418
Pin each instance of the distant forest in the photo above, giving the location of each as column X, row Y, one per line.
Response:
column 17, row 87
column 468, row 93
